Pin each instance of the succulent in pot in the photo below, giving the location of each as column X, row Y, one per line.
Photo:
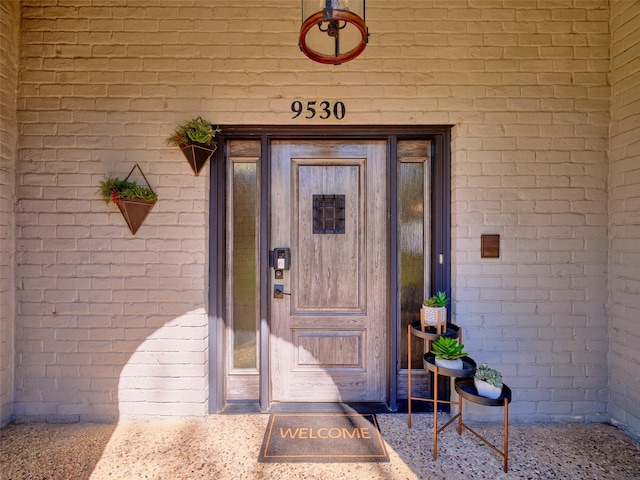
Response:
column 114, row 189
column 488, row 381
column 434, row 312
column 133, row 200
column 196, row 130
column 196, row 139
column 440, row 299
column 448, row 353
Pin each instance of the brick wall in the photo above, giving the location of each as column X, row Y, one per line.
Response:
column 530, row 164
column 624, row 217
column 9, row 43
column 101, row 89
column 524, row 82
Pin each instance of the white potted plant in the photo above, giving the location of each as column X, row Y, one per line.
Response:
column 488, row 382
column 434, row 312
column 448, row 353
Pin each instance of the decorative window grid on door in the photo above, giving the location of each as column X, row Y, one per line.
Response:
column 328, row 214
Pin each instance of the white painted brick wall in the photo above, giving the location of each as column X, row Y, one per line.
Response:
column 9, row 57
column 624, row 217
column 525, row 85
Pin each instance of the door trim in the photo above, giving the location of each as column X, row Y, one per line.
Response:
column 440, row 241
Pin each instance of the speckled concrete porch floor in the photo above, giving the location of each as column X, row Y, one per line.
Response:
column 227, row 446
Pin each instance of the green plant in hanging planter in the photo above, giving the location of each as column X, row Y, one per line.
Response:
column 196, row 139
column 196, row 130
column 133, row 200
column 113, row 189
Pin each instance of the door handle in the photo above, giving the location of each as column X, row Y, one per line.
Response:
column 278, row 291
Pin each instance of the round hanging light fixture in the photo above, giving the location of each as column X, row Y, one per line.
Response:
column 333, row 31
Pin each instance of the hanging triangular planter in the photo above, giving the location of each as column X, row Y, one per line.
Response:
column 197, row 155
column 134, row 211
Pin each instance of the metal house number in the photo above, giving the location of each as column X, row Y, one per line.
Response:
column 322, row 109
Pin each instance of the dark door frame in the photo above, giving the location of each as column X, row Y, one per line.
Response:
column 440, row 136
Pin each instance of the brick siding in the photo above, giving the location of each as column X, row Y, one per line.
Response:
column 9, row 41
column 524, row 83
column 624, row 217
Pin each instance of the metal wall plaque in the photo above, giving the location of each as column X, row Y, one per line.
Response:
column 489, row 246
column 328, row 214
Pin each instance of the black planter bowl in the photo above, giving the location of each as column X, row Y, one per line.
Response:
column 467, row 389
column 468, row 367
column 430, row 333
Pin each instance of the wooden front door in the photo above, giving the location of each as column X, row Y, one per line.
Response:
column 329, row 331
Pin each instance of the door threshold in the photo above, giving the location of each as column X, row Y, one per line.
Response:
column 241, row 407
column 321, row 407
column 253, row 407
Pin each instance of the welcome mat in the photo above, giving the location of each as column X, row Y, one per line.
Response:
column 297, row 437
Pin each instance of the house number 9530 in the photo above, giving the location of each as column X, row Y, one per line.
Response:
column 321, row 109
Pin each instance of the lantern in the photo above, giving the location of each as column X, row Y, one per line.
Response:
column 333, row 31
